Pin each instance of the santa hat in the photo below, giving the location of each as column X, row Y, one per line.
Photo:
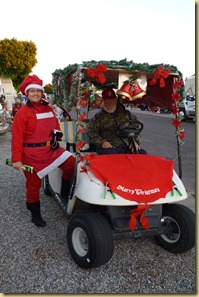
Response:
column 108, row 94
column 31, row 81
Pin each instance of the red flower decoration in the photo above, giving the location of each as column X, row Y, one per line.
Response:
column 178, row 84
column 160, row 74
column 176, row 122
column 182, row 135
column 174, row 110
column 84, row 169
column 98, row 73
column 175, row 96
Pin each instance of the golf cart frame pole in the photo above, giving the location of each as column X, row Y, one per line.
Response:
column 179, row 158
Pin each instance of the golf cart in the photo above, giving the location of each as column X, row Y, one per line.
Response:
column 107, row 201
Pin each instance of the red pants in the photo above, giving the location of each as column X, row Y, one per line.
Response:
column 33, row 182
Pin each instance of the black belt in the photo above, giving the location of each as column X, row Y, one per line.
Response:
column 36, row 144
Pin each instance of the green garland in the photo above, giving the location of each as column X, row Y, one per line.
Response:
column 130, row 65
column 65, row 95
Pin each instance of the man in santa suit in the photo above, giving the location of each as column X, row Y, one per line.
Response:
column 35, row 142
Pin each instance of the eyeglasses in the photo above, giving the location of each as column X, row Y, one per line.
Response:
column 34, row 91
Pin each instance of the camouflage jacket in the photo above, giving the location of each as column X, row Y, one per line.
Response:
column 104, row 126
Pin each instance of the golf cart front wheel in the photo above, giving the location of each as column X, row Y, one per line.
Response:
column 90, row 240
column 178, row 223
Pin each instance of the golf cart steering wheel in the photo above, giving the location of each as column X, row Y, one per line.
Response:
column 128, row 129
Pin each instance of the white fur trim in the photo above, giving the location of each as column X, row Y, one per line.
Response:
column 44, row 115
column 33, row 86
column 54, row 165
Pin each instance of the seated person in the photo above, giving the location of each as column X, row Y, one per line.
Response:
column 102, row 127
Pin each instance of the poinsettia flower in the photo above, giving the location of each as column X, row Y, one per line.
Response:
column 175, row 96
column 174, row 110
column 176, row 122
column 84, row 169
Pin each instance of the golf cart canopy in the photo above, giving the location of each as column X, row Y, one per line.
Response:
column 80, row 85
column 66, row 82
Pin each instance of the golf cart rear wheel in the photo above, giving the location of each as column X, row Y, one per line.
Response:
column 45, row 186
column 90, row 240
column 178, row 223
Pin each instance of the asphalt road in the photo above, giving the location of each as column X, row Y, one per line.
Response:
column 158, row 138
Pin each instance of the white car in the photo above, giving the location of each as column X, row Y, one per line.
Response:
column 187, row 108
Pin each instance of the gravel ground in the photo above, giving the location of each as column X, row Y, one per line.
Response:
column 37, row 260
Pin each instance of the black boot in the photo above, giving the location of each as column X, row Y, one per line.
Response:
column 65, row 188
column 36, row 214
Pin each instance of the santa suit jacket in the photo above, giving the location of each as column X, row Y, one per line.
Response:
column 35, row 125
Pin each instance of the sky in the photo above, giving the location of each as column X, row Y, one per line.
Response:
column 71, row 31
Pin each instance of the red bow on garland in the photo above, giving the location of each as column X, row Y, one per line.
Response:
column 98, row 73
column 160, row 74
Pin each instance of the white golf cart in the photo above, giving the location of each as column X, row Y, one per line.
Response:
column 97, row 212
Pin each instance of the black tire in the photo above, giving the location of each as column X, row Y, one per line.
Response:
column 90, row 240
column 45, row 186
column 179, row 229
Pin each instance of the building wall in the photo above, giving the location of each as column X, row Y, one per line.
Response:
column 190, row 85
column 7, row 89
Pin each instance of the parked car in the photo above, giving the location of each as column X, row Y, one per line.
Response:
column 4, row 126
column 143, row 107
column 187, row 108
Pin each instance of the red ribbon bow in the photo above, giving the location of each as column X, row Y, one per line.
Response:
column 98, row 73
column 160, row 74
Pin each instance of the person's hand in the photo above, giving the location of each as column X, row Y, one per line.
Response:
column 106, row 145
column 136, row 145
column 17, row 165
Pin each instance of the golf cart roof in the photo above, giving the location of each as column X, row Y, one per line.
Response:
column 115, row 72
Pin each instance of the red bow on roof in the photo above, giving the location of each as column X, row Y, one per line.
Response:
column 98, row 73
column 160, row 74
